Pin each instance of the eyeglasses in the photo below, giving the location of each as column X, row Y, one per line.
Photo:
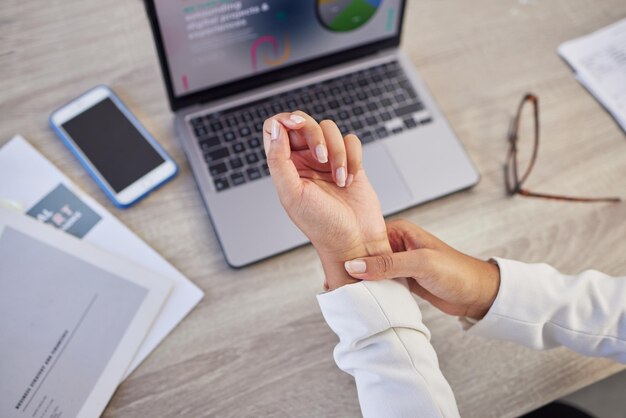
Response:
column 514, row 182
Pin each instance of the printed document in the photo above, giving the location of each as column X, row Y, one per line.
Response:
column 599, row 60
column 32, row 185
column 72, row 317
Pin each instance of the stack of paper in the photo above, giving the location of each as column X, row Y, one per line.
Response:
column 72, row 317
column 30, row 184
column 599, row 61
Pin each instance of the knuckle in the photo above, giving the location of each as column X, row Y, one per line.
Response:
column 385, row 263
column 272, row 160
column 327, row 123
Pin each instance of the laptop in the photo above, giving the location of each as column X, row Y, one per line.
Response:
column 230, row 64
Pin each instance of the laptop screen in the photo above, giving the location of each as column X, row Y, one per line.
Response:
column 208, row 43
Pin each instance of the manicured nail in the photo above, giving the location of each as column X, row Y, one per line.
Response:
column 350, row 180
column 322, row 154
column 341, row 176
column 275, row 130
column 355, row 266
column 296, row 119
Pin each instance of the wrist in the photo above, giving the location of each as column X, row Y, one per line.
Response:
column 333, row 263
column 335, row 274
column 490, row 285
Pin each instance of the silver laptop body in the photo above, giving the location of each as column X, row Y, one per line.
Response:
column 406, row 168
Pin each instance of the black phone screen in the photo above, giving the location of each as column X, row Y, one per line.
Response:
column 113, row 145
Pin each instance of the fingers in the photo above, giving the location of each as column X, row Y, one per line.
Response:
column 422, row 293
column 326, row 143
column 284, row 174
column 354, row 154
column 291, row 120
column 390, row 266
column 405, row 236
column 336, row 152
column 305, row 130
column 403, row 226
column 399, row 233
column 418, row 290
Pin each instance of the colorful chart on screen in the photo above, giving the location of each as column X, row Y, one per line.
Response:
column 346, row 15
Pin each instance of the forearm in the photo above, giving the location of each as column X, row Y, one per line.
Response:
column 386, row 347
column 541, row 308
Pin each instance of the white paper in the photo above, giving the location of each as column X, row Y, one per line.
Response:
column 72, row 317
column 599, row 60
column 27, row 178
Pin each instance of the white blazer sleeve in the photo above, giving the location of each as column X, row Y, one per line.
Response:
column 385, row 346
column 541, row 308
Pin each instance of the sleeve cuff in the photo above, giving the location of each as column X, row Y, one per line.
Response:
column 362, row 309
column 521, row 302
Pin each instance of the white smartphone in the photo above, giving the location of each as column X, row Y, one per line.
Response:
column 118, row 152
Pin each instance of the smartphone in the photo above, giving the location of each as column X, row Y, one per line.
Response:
column 116, row 150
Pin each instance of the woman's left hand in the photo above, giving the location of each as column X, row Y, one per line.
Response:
column 323, row 187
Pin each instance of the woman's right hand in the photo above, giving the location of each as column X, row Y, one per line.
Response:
column 453, row 282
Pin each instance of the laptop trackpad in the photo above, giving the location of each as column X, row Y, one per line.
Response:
column 381, row 170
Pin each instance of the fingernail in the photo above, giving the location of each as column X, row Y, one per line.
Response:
column 341, row 176
column 350, row 180
column 322, row 154
column 297, row 119
column 355, row 266
column 275, row 130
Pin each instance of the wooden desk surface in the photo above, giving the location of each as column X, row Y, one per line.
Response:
column 257, row 344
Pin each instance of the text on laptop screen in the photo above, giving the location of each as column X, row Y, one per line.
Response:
column 214, row 42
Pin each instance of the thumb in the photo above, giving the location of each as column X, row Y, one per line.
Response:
column 389, row 266
column 278, row 151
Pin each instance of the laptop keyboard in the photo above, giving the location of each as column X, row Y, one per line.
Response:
column 373, row 103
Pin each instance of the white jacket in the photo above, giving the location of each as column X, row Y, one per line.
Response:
column 386, row 347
